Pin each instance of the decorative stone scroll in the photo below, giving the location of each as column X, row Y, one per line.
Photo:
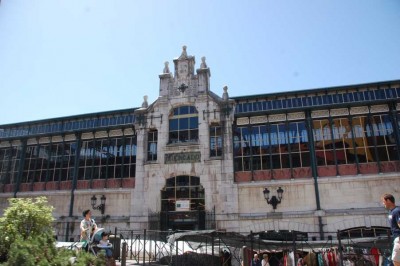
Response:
column 242, row 121
column 88, row 135
column 339, row 112
column 56, row 139
column 296, row 116
column 379, row 108
column 70, row 137
column 31, row 141
column 101, row 134
column 320, row 113
column 16, row 143
column 115, row 133
column 276, row 118
column 183, row 157
column 359, row 110
column 5, row 144
column 258, row 119
column 129, row 132
column 44, row 140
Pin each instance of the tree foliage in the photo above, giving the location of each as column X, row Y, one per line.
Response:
column 26, row 237
column 25, row 219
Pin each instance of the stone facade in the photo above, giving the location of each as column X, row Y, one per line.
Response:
column 215, row 174
column 318, row 201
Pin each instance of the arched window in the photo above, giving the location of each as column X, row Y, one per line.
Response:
column 184, row 125
column 182, row 189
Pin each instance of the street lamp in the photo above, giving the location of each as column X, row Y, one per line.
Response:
column 274, row 201
column 102, row 205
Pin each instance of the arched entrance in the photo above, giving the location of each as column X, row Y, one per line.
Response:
column 182, row 204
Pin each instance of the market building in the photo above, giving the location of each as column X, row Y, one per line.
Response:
column 194, row 159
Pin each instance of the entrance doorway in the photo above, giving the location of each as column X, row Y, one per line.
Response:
column 182, row 204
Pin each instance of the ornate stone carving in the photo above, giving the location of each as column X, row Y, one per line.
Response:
column 320, row 113
column 184, row 53
column 379, row 108
column 5, row 144
column 339, row 112
column 56, row 139
column 145, row 104
column 242, row 121
column 296, row 116
column 129, row 132
column 87, row 136
column 16, row 143
column 31, row 141
column 258, row 119
column 276, row 118
column 44, row 140
column 115, row 133
column 166, row 68
column 359, row 110
column 203, row 62
column 69, row 137
column 101, row 134
column 225, row 95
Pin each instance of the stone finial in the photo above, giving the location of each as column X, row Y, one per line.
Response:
column 166, row 68
column 203, row 62
column 225, row 95
column 184, row 53
column 145, row 104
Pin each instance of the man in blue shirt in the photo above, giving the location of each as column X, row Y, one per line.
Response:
column 394, row 220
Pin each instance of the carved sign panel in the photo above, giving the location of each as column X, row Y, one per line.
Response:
column 184, row 157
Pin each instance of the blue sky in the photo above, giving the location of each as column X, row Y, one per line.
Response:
column 61, row 58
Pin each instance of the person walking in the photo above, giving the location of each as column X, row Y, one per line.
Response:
column 255, row 261
column 265, row 261
column 88, row 226
column 388, row 202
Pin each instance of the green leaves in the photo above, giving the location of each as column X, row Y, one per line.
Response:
column 25, row 219
column 26, row 237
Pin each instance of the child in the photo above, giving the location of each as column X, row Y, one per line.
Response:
column 104, row 244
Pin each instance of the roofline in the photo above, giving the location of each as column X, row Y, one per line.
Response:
column 72, row 117
column 314, row 90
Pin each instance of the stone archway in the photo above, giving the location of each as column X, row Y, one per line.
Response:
column 183, row 204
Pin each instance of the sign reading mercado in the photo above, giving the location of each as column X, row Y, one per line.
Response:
column 184, row 157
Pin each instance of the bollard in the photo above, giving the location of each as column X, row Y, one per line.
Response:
column 123, row 256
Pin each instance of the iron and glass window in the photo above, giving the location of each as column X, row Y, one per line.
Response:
column 215, row 141
column 49, row 162
column 9, row 163
column 299, row 146
column 152, row 138
column 184, row 125
column 337, row 97
column 381, row 128
column 260, row 148
column 241, row 146
column 35, row 167
column 98, row 159
column 360, row 139
column 108, row 158
column 60, row 126
column 183, row 188
column 271, row 146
